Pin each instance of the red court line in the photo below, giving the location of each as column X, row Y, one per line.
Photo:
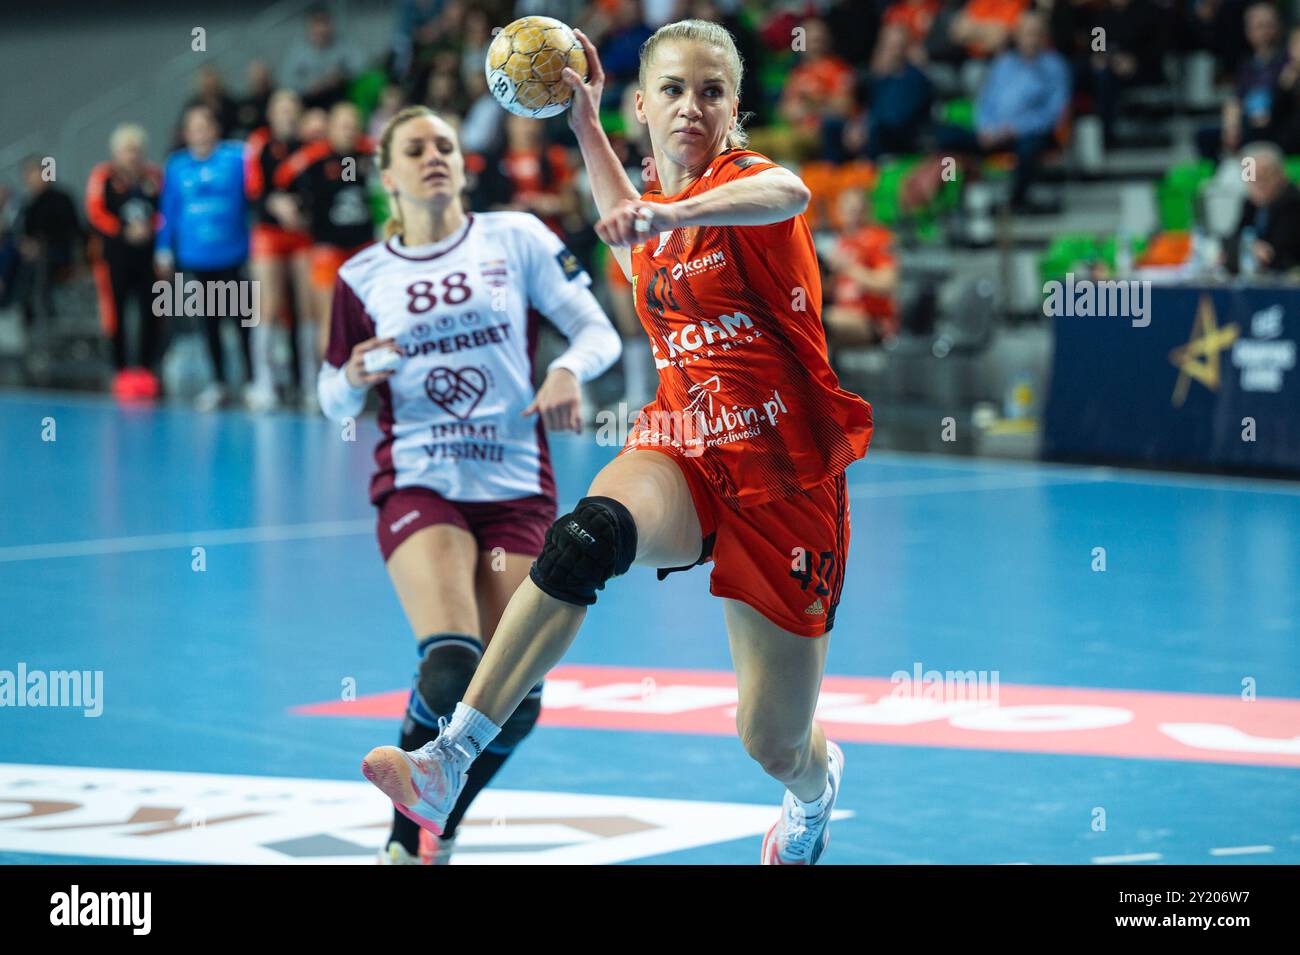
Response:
column 1041, row 719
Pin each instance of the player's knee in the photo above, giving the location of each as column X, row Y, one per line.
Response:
column 520, row 724
column 584, row 548
column 447, row 665
column 779, row 759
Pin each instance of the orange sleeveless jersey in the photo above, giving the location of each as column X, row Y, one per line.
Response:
column 734, row 319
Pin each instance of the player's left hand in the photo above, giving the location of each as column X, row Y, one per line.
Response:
column 619, row 228
column 560, row 401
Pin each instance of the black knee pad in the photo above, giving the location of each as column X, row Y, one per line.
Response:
column 584, row 548
column 442, row 679
column 519, row 725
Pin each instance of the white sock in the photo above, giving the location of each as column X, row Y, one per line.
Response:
column 470, row 726
column 307, row 363
column 811, row 810
column 261, row 349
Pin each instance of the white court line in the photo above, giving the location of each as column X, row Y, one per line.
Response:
column 1135, row 857
column 211, row 538
column 1240, row 850
column 949, row 485
column 286, row 532
column 948, row 462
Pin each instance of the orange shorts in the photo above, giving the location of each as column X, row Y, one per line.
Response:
column 326, row 260
column 273, row 242
column 784, row 558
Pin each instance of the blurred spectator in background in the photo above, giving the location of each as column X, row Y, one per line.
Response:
column 475, row 38
column 50, row 237
column 619, row 46
column 416, row 19
column 250, row 114
column 916, row 17
column 1255, row 110
column 531, row 175
column 984, row 27
column 1022, row 99
column 122, row 197
column 818, row 96
column 864, row 276
column 320, row 65
column 8, row 247
column 277, row 249
column 1268, row 235
column 897, row 97
column 437, row 48
column 480, row 131
column 390, row 102
column 329, row 181
column 210, row 91
column 313, row 125
column 204, row 233
column 1219, row 27
column 1288, row 91
column 1133, row 56
column 443, row 94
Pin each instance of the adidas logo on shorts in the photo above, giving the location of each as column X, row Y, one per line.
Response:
column 815, row 608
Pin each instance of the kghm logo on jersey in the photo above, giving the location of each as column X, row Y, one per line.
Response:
column 705, row 263
column 694, row 341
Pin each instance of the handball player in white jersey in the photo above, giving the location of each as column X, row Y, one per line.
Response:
column 464, row 484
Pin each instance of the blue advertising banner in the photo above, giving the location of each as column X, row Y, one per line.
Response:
column 1204, row 375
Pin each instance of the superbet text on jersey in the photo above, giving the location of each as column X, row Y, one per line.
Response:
column 461, row 311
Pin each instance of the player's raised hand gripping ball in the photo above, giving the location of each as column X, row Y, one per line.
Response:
column 525, row 63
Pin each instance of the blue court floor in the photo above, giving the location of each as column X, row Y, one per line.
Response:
column 955, row 564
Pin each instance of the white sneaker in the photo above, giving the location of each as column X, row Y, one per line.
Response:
column 260, row 398
column 395, row 854
column 424, row 784
column 793, row 840
column 210, row 398
column 434, row 850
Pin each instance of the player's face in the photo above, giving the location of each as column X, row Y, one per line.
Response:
column 426, row 164
column 282, row 112
column 688, row 103
column 200, row 130
column 128, row 154
column 344, row 128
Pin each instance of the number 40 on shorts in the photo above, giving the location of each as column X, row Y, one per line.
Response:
column 802, row 571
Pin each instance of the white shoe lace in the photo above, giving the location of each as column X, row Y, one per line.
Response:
column 799, row 836
column 455, row 752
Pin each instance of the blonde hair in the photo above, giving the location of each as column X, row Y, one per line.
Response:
column 384, row 150
column 127, row 132
column 703, row 31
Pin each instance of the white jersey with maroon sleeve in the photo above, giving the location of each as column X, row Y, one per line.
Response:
column 464, row 312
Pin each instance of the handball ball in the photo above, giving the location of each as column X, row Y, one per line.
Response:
column 524, row 64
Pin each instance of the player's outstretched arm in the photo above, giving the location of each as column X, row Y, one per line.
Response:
column 773, row 195
column 761, row 199
column 609, row 182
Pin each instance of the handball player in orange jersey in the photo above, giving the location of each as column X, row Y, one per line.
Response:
column 739, row 460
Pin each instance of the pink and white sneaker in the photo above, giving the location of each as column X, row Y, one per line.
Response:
column 424, row 784
column 791, row 841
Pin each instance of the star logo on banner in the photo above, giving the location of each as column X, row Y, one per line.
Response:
column 1199, row 358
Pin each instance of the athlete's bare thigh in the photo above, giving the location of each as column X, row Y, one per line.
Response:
column 651, row 485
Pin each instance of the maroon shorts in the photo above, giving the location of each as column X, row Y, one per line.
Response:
column 517, row 527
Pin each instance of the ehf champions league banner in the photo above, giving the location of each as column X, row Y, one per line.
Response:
column 1207, row 377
